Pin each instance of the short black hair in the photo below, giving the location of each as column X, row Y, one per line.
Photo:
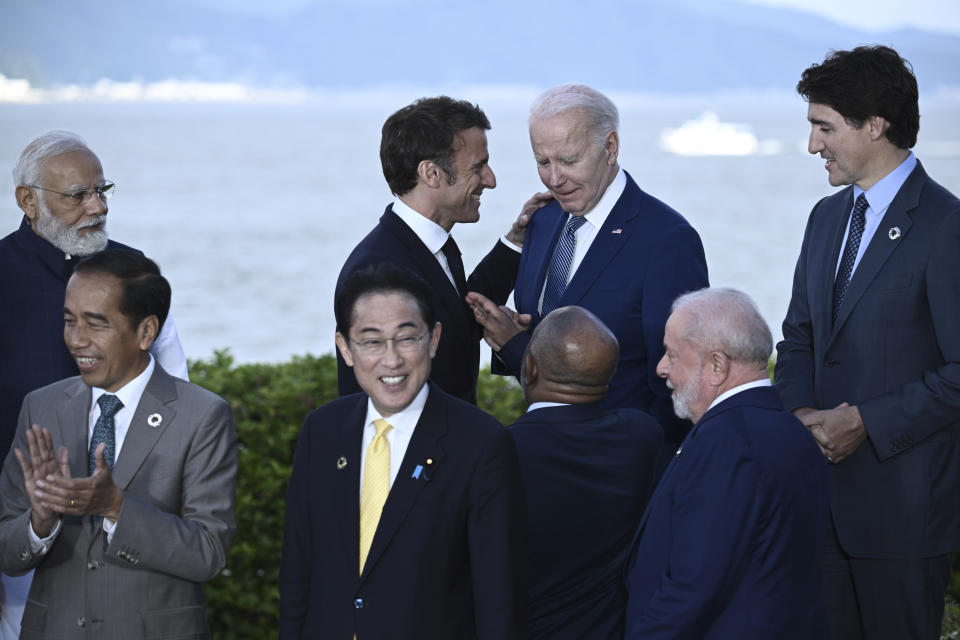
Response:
column 425, row 130
column 385, row 277
column 145, row 292
column 867, row 81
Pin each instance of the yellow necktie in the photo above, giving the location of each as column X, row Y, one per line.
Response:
column 376, row 486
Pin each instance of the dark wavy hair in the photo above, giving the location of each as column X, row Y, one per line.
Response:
column 867, row 81
column 425, row 130
column 145, row 292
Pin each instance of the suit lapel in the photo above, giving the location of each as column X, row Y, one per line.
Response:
column 425, row 444
column 430, row 269
column 610, row 238
column 141, row 437
column 74, row 416
column 347, row 486
column 531, row 293
column 881, row 246
column 833, row 247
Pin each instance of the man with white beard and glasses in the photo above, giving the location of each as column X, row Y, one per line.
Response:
column 63, row 195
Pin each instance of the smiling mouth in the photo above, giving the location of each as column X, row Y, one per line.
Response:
column 85, row 363
column 391, row 381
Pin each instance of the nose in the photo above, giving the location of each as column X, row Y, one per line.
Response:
column 662, row 369
column 392, row 356
column 74, row 336
column 488, row 179
column 555, row 175
column 814, row 144
column 95, row 204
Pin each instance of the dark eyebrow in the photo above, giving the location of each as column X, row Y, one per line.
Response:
column 90, row 315
column 818, row 122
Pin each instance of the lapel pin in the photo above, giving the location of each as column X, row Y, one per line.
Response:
column 341, row 463
column 154, row 420
column 894, row 233
column 417, row 472
column 429, row 461
column 679, row 450
column 617, row 231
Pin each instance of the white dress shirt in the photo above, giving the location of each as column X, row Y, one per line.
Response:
column 403, row 423
column 879, row 197
column 765, row 382
column 589, row 230
column 129, row 394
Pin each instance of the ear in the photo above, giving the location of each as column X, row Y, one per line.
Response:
column 429, row 173
column 877, row 126
column 718, row 367
column 530, row 373
column 434, row 340
column 147, row 332
column 344, row 346
column 612, row 147
column 27, row 201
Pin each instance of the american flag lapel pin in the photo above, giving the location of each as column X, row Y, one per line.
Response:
column 617, row 231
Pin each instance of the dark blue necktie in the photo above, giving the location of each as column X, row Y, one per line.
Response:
column 560, row 267
column 455, row 262
column 104, row 431
column 845, row 271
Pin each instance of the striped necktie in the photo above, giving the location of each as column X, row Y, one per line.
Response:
column 560, row 267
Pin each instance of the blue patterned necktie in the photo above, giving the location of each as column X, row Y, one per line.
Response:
column 560, row 267
column 103, row 431
column 845, row 271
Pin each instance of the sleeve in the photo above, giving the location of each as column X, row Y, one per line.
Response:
column 678, row 266
column 906, row 415
column 496, row 274
column 297, row 556
column 169, row 352
column 794, row 371
column 193, row 543
column 497, row 542
column 715, row 509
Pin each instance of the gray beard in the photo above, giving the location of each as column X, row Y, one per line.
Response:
column 69, row 239
column 682, row 398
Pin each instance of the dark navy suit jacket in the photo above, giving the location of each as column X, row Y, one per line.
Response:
column 32, row 288
column 587, row 474
column 645, row 255
column 731, row 545
column 895, row 353
column 457, row 362
column 447, row 559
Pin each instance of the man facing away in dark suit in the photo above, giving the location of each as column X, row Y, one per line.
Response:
column 435, row 160
column 870, row 357
column 60, row 187
column 405, row 516
column 604, row 245
column 730, row 544
column 121, row 492
column 587, row 474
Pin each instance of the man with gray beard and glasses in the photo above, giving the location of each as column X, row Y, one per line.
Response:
column 61, row 189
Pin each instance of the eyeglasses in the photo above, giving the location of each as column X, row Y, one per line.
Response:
column 103, row 192
column 378, row 346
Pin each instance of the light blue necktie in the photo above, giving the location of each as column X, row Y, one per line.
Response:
column 560, row 267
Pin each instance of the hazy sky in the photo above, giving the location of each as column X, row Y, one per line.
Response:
column 882, row 15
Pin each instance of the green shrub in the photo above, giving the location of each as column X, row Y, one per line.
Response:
column 270, row 402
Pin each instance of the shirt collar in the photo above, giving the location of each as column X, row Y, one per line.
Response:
column 403, row 421
column 765, row 382
column 598, row 215
column 130, row 393
column 432, row 235
column 880, row 195
column 544, row 405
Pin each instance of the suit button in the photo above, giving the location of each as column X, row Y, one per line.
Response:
column 81, row 621
column 358, row 603
column 93, row 564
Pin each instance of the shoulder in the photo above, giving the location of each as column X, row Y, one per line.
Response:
column 461, row 415
column 325, row 415
column 61, row 388
column 196, row 395
column 386, row 242
column 117, row 246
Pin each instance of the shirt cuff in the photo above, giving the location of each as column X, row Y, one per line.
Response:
column 108, row 528
column 38, row 545
column 504, row 240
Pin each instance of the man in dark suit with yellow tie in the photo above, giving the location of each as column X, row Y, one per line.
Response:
column 405, row 515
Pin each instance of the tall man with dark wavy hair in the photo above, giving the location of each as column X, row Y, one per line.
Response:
column 870, row 359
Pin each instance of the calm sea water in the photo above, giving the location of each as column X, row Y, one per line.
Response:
column 251, row 209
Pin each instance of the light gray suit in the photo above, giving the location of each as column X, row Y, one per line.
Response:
column 173, row 533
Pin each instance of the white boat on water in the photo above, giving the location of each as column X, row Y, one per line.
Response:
column 707, row 136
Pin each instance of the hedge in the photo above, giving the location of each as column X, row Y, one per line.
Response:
column 269, row 403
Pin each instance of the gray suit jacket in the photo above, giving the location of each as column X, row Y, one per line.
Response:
column 173, row 533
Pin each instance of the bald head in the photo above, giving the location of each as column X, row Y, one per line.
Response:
column 571, row 358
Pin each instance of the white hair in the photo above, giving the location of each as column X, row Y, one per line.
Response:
column 48, row 145
column 602, row 115
column 727, row 320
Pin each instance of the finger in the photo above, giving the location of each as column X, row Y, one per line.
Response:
column 63, row 459
column 33, row 446
column 24, row 464
column 100, row 460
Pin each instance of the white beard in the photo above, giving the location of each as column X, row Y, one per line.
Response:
column 682, row 399
column 69, row 239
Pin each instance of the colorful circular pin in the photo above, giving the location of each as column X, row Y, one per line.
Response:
column 894, row 233
column 154, row 420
